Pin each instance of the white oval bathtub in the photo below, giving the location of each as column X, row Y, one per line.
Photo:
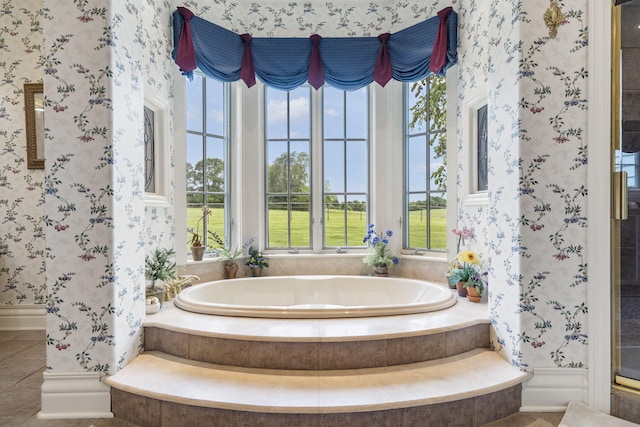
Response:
column 315, row 297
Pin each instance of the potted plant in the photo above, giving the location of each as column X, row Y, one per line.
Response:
column 224, row 251
column 463, row 233
column 197, row 248
column 466, row 272
column 256, row 262
column 159, row 267
column 380, row 256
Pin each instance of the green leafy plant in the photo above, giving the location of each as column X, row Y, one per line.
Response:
column 379, row 253
column 225, row 251
column 159, row 265
column 256, row 259
column 466, row 267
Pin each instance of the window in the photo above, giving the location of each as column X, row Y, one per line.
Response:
column 425, row 174
column 346, row 172
column 156, row 152
column 482, row 154
column 207, row 156
column 149, row 151
column 288, row 154
column 316, row 176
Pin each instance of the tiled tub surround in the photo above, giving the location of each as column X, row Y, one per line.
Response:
column 410, row 370
column 421, row 267
column 318, row 344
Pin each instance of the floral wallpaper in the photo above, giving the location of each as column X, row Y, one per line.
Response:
column 553, row 190
column 279, row 18
column 96, row 74
column 533, row 230
column 22, row 247
column 97, row 62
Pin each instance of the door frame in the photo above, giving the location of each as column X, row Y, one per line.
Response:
column 599, row 184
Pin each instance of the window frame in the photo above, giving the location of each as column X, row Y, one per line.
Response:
column 316, row 172
column 429, row 190
column 367, row 195
column 471, row 195
column 227, row 159
column 246, row 135
column 160, row 108
column 312, row 155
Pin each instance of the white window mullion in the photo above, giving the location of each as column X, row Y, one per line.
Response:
column 386, row 160
column 317, row 180
column 248, row 152
column 180, row 160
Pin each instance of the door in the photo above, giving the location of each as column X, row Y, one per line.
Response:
column 626, row 191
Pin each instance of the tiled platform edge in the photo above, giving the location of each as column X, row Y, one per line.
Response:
column 474, row 411
column 196, row 372
column 275, row 354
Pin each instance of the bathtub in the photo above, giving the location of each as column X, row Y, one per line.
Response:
column 309, row 297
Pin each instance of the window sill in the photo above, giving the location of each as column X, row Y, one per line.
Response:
column 425, row 256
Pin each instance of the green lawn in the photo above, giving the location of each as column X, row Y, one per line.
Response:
column 334, row 227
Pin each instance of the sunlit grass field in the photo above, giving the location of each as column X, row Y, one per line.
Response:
column 334, row 227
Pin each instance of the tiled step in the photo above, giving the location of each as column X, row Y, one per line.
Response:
column 475, row 387
column 321, row 344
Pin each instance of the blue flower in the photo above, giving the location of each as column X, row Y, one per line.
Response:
column 385, row 241
column 375, row 240
column 396, row 260
column 389, row 233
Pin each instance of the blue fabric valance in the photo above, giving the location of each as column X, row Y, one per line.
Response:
column 347, row 63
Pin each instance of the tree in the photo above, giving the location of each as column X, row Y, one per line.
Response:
column 289, row 173
column 330, row 200
column 432, row 106
column 214, row 180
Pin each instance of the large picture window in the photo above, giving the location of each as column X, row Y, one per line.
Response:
column 425, row 160
column 321, row 134
column 207, row 156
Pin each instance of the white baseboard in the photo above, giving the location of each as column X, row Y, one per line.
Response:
column 551, row 389
column 23, row 317
column 67, row 395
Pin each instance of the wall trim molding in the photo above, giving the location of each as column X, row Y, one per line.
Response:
column 551, row 389
column 66, row 395
column 23, row 317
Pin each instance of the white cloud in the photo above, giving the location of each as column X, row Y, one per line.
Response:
column 217, row 116
column 277, row 110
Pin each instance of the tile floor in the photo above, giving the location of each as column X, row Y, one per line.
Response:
column 22, row 361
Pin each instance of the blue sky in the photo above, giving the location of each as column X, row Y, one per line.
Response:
column 334, row 127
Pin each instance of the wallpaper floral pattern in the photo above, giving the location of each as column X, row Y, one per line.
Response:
column 95, row 80
column 96, row 72
column 553, row 191
column 22, row 247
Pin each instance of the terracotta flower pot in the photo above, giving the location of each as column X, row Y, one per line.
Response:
column 197, row 252
column 381, row 271
column 462, row 291
column 230, row 270
column 473, row 295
